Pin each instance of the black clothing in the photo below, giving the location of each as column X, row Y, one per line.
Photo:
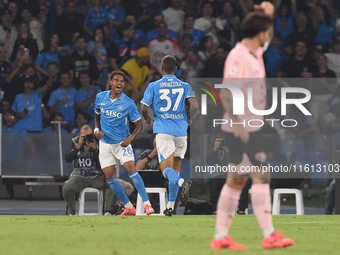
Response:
column 67, row 26
column 212, row 69
column 86, row 160
column 307, row 36
column 5, row 70
column 29, row 43
column 153, row 163
column 148, row 24
column 78, row 63
column 237, row 148
column 293, row 68
column 14, row 88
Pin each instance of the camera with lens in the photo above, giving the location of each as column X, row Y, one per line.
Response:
column 89, row 138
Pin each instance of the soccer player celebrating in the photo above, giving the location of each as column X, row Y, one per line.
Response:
column 113, row 108
column 167, row 97
column 246, row 61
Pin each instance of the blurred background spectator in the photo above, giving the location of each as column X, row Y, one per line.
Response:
column 53, row 42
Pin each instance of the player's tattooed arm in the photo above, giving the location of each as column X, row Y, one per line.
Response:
column 194, row 106
column 147, row 119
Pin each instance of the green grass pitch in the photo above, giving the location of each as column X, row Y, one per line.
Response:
column 134, row 235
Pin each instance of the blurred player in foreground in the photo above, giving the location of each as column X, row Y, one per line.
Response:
column 167, row 97
column 245, row 143
column 113, row 109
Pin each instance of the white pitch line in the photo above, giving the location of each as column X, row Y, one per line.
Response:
column 308, row 222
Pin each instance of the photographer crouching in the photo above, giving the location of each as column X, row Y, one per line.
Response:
column 87, row 171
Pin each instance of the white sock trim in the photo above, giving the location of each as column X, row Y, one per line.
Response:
column 267, row 232
column 147, row 203
column 171, row 204
column 220, row 234
column 129, row 205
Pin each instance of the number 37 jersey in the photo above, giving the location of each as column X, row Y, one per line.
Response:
column 167, row 97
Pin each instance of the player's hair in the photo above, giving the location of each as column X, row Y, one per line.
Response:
column 123, row 27
column 255, row 23
column 118, row 72
column 169, row 64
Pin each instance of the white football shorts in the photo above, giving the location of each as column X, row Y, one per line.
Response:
column 168, row 144
column 112, row 154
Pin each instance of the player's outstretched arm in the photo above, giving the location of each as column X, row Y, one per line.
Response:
column 147, row 119
column 138, row 129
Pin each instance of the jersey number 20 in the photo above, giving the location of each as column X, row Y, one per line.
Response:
column 164, row 96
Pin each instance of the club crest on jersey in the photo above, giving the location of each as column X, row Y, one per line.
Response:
column 120, row 107
column 167, row 47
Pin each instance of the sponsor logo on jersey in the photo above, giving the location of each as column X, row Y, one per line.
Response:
column 112, row 113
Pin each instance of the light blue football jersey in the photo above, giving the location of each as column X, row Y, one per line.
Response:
column 33, row 121
column 115, row 115
column 82, row 96
column 167, row 97
column 67, row 108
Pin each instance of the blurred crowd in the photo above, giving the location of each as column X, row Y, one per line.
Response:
column 55, row 56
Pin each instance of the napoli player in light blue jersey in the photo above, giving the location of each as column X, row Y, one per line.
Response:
column 167, row 97
column 113, row 111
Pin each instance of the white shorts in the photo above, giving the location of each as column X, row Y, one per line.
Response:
column 168, row 144
column 112, row 154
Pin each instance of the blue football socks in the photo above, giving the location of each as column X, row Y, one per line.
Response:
column 173, row 190
column 171, row 175
column 118, row 189
column 139, row 185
